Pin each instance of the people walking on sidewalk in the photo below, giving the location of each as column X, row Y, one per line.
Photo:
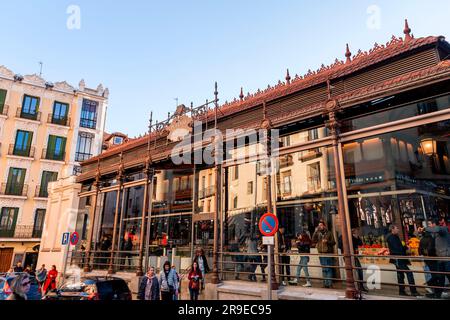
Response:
column 284, row 246
column 195, row 278
column 202, row 263
column 149, row 286
column 177, row 294
column 41, row 276
column 323, row 240
column 396, row 248
column 168, row 282
column 303, row 243
column 427, row 248
column 50, row 282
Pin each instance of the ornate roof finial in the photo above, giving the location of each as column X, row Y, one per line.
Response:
column 288, row 77
column 348, row 54
column 241, row 95
column 407, row 31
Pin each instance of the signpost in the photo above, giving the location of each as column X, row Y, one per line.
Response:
column 74, row 238
column 65, row 238
column 268, row 225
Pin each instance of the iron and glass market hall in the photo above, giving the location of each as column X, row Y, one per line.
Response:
column 363, row 143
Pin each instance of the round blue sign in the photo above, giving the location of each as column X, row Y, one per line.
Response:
column 268, row 225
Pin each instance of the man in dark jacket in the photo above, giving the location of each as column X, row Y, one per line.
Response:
column 18, row 268
column 284, row 245
column 149, row 286
column 396, row 248
column 427, row 248
column 323, row 241
column 442, row 243
column 357, row 242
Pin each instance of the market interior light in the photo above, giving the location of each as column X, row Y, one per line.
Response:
column 428, row 146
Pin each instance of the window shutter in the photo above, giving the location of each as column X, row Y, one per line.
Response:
column 2, row 99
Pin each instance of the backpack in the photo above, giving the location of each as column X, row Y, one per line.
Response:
column 427, row 245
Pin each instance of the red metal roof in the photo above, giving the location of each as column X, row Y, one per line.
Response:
column 379, row 53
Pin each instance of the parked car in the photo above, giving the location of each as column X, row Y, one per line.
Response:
column 33, row 294
column 92, row 288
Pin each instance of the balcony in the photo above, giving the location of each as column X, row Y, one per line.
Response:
column 14, row 189
column 41, row 192
column 21, row 232
column 36, row 116
column 60, row 121
column 88, row 123
column 314, row 184
column 49, row 154
column 28, row 152
column 206, row 192
column 4, row 110
column 80, row 156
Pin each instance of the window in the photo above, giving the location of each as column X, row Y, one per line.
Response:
column 47, row 177
column 89, row 114
column 38, row 223
column 287, row 182
column 250, row 187
column 236, row 173
column 84, row 146
column 313, row 134
column 8, row 219
column 30, row 107
column 60, row 112
column 22, row 146
column 15, row 183
column 314, row 177
column 208, row 206
column 2, row 99
column 285, row 141
column 56, row 148
column 117, row 140
column 235, row 202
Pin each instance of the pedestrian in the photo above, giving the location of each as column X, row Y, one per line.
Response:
column 284, row 246
column 427, row 248
column 177, row 293
column 323, row 241
column 19, row 286
column 396, row 248
column 18, row 268
column 167, row 282
column 442, row 242
column 303, row 243
column 149, row 286
column 262, row 249
column 202, row 263
column 195, row 278
column 357, row 243
column 252, row 258
column 50, row 282
column 41, row 275
column 236, row 258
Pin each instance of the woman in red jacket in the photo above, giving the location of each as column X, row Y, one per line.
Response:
column 50, row 282
column 195, row 276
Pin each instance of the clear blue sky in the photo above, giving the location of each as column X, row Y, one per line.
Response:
column 150, row 52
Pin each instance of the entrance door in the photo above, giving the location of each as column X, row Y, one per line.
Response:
column 6, row 255
column 31, row 260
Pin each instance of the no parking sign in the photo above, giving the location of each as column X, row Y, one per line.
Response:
column 74, row 237
column 268, row 225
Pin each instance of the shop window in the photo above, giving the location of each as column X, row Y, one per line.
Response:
column 313, row 172
column 287, row 179
column 373, row 149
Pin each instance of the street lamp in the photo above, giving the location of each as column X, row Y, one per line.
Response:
column 428, row 146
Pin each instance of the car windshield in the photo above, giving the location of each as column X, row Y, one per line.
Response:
column 86, row 285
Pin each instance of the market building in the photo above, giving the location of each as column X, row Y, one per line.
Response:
column 362, row 143
column 46, row 130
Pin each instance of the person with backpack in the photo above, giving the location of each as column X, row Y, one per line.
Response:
column 195, row 278
column 168, row 282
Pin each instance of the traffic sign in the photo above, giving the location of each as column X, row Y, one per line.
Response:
column 65, row 238
column 74, row 237
column 268, row 225
column 268, row 241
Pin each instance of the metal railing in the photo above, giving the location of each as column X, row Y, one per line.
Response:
column 41, row 192
column 14, row 189
column 49, row 154
column 36, row 116
column 28, row 152
column 80, row 156
column 21, row 232
column 327, row 270
column 62, row 121
column 4, row 110
column 206, row 192
column 88, row 123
